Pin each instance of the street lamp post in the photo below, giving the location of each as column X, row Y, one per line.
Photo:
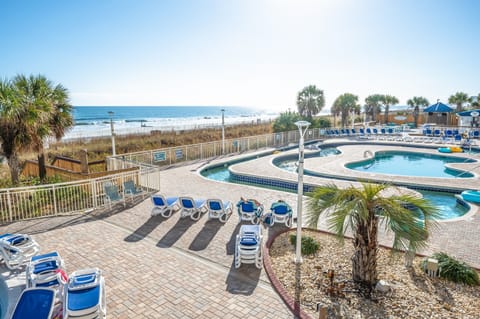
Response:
column 223, row 131
column 112, row 133
column 302, row 128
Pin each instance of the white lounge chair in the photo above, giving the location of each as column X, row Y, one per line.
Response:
column 249, row 246
column 249, row 210
column 17, row 249
column 219, row 209
column 46, row 271
column 164, row 206
column 85, row 296
column 192, row 207
column 280, row 212
column 38, row 303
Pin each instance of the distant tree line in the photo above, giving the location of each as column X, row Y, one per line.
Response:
column 311, row 100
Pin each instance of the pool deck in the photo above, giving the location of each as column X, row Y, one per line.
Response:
column 177, row 268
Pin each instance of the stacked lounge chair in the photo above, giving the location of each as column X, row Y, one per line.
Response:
column 248, row 246
column 17, row 249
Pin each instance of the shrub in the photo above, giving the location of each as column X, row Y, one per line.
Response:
column 456, row 271
column 309, row 245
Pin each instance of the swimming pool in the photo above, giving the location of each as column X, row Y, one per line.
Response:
column 412, row 164
column 446, row 202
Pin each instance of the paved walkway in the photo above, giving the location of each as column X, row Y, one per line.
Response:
column 177, row 268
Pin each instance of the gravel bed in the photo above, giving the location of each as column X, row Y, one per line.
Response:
column 413, row 294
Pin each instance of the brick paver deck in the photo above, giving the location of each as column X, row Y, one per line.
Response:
column 177, row 268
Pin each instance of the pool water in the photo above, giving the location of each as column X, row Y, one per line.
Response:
column 291, row 164
column 445, row 202
column 412, row 164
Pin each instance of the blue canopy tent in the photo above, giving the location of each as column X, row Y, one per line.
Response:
column 438, row 113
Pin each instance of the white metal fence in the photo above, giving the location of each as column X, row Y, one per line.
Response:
column 185, row 153
column 86, row 195
column 73, row 197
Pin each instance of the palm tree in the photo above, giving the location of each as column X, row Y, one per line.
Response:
column 416, row 102
column 346, row 104
column 387, row 101
column 363, row 210
column 458, row 99
column 53, row 111
column 373, row 104
column 475, row 100
column 310, row 101
column 15, row 123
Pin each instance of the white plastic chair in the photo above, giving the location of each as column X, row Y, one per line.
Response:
column 46, row 271
column 249, row 246
column 164, row 206
column 38, row 303
column 85, row 296
column 280, row 212
column 17, row 249
column 192, row 207
column 249, row 210
column 219, row 209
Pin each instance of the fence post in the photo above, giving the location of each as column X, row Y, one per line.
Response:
column 10, row 210
column 93, row 185
column 55, row 210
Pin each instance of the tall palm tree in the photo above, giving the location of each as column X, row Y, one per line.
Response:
column 15, row 122
column 310, row 101
column 346, row 104
column 388, row 100
column 459, row 99
column 373, row 105
column 475, row 101
column 363, row 210
column 52, row 109
column 416, row 102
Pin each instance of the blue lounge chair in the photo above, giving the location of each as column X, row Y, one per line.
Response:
column 46, row 271
column 85, row 295
column 38, row 303
column 164, row 206
column 131, row 190
column 17, row 249
column 249, row 210
column 112, row 194
column 248, row 246
column 219, row 209
column 280, row 212
column 192, row 207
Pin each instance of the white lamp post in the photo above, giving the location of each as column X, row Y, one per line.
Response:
column 223, row 131
column 302, row 128
column 112, row 133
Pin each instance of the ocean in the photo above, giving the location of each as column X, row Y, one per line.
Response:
column 92, row 121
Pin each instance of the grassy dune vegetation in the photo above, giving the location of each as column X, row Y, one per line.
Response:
column 101, row 147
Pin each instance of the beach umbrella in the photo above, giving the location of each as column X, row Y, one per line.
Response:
column 440, row 109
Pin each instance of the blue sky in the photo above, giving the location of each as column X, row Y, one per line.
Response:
column 257, row 53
